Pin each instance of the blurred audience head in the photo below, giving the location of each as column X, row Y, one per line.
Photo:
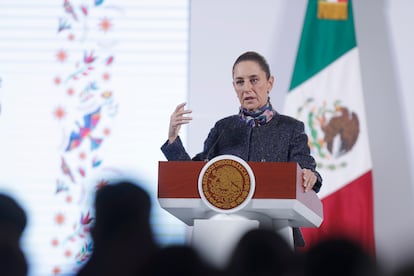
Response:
column 13, row 218
column 178, row 260
column 13, row 221
column 261, row 252
column 340, row 257
column 121, row 207
column 122, row 235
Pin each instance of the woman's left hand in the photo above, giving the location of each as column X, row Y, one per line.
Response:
column 309, row 179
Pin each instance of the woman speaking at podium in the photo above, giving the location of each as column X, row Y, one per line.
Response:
column 257, row 133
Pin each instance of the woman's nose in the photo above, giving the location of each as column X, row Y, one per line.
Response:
column 247, row 86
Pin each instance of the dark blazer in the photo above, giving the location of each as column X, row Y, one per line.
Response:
column 282, row 139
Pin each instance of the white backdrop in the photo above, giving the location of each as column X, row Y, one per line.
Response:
column 59, row 63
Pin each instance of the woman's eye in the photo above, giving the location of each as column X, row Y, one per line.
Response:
column 254, row 81
column 239, row 82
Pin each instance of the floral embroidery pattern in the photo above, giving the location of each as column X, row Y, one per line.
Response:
column 85, row 113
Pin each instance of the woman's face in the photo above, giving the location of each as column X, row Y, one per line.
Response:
column 251, row 85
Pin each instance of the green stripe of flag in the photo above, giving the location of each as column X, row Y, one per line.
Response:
column 322, row 42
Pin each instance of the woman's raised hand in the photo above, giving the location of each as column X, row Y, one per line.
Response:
column 178, row 118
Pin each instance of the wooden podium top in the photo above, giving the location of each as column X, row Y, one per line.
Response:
column 278, row 191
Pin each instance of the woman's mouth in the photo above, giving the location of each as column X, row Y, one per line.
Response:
column 248, row 98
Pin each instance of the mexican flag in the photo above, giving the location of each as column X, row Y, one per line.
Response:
column 326, row 94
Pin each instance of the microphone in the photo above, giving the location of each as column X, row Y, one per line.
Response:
column 213, row 146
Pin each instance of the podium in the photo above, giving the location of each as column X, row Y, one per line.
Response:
column 279, row 201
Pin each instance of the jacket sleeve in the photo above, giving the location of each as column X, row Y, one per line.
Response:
column 175, row 151
column 299, row 151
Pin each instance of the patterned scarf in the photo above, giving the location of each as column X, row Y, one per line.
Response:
column 257, row 117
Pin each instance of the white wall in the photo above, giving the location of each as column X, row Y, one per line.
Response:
column 221, row 30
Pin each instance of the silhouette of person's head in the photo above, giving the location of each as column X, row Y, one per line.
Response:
column 341, row 257
column 13, row 221
column 122, row 208
column 178, row 260
column 122, row 235
column 406, row 269
column 261, row 252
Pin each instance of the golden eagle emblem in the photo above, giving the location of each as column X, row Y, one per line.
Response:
column 226, row 184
